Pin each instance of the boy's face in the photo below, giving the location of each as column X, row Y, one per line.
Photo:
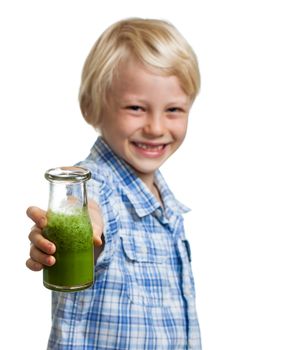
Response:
column 145, row 119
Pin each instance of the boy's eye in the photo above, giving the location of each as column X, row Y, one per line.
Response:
column 135, row 108
column 174, row 109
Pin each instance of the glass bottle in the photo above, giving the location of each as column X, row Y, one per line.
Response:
column 69, row 228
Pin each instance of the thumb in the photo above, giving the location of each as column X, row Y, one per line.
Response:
column 37, row 215
column 96, row 221
column 97, row 235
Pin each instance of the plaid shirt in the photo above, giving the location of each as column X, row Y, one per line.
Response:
column 143, row 297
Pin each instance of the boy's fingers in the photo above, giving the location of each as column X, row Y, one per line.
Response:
column 41, row 258
column 34, row 265
column 37, row 215
column 41, row 243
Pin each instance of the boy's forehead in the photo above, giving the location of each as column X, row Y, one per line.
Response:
column 133, row 79
column 131, row 71
column 128, row 63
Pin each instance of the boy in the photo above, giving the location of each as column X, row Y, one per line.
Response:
column 138, row 84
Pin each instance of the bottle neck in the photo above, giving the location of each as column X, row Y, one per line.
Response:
column 67, row 197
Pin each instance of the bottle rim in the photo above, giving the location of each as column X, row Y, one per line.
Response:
column 67, row 174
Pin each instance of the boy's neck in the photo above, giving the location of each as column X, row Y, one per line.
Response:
column 157, row 194
column 148, row 179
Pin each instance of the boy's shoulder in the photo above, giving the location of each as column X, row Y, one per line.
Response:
column 100, row 172
column 97, row 161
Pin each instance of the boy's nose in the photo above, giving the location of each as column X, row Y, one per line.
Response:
column 155, row 125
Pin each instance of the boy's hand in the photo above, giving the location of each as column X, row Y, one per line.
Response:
column 41, row 249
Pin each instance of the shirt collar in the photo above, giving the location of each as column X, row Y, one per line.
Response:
column 143, row 201
column 171, row 204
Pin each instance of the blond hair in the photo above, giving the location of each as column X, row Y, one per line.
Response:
column 155, row 43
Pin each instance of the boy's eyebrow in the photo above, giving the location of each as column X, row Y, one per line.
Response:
column 181, row 101
column 133, row 98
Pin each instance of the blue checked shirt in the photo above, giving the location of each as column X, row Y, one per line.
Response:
column 143, row 297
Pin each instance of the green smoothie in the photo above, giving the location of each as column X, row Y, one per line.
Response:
column 73, row 237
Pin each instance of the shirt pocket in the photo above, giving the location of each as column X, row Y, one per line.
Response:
column 146, row 264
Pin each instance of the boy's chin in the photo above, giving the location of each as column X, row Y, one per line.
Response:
column 147, row 170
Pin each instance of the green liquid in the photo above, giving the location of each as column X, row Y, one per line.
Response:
column 73, row 237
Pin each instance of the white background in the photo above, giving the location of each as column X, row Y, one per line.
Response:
column 233, row 169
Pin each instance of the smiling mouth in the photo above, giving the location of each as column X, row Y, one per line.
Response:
column 150, row 147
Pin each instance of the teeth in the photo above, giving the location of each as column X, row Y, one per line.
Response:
column 149, row 147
